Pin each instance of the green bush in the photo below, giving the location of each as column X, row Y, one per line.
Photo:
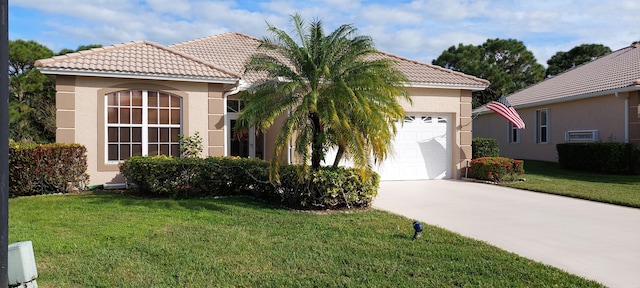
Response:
column 331, row 188
column 48, row 168
column 327, row 188
column 601, row 157
column 496, row 169
column 484, row 147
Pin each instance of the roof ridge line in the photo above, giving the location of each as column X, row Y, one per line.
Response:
column 87, row 52
column 187, row 56
column 212, row 37
column 97, row 50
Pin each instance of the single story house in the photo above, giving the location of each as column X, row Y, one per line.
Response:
column 598, row 101
column 137, row 98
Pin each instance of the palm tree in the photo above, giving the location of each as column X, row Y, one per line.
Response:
column 336, row 91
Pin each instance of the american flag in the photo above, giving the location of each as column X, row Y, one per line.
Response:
column 502, row 107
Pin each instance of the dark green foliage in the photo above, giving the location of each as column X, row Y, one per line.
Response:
column 32, row 111
column 484, row 147
column 578, row 55
column 80, row 48
column 507, row 64
column 604, row 157
column 496, row 169
column 45, row 169
column 334, row 188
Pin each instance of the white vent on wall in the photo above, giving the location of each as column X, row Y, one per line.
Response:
column 581, row 136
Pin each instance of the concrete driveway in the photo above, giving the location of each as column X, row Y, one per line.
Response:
column 593, row 240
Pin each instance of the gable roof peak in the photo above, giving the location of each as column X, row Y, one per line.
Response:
column 139, row 58
column 213, row 37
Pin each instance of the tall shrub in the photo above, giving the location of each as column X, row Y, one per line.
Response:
column 484, row 147
column 602, row 157
column 45, row 169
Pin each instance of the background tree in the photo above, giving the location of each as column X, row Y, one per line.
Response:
column 32, row 95
column 32, row 106
column 507, row 64
column 80, row 48
column 333, row 89
column 563, row 61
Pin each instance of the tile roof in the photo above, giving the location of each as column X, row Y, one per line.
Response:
column 139, row 58
column 230, row 50
column 222, row 57
column 233, row 49
column 618, row 70
column 427, row 74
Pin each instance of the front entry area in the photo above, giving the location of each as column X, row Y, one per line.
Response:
column 244, row 143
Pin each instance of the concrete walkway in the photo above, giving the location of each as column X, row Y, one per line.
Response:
column 593, row 240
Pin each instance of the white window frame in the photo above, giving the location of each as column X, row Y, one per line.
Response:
column 540, row 127
column 144, row 126
column 512, row 131
column 581, row 136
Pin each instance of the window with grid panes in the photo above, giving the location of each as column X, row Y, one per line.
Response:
column 542, row 126
column 514, row 133
column 141, row 122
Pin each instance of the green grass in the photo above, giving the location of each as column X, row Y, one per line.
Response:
column 112, row 240
column 548, row 177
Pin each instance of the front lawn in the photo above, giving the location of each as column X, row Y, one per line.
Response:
column 111, row 240
column 548, row 177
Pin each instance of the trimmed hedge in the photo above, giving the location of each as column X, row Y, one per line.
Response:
column 47, row 168
column 496, row 169
column 484, row 147
column 601, row 157
column 327, row 188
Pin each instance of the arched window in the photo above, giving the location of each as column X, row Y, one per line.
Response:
column 141, row 122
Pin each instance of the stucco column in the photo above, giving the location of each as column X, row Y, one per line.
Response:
column 65, row 109
column 465, row 132
column 215, row 131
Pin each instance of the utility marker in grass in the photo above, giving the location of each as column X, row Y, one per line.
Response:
column 418, row 230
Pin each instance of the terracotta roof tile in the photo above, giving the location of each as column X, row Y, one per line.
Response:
column 137, row 58
column 233, row 49
column 617, row 70
column 220, row 56
column 428, row 74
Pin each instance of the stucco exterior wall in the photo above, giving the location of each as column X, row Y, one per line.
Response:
column 81, row 117
column 603, row 113
column 455, row 103
column 634, row 117
column 82, row 120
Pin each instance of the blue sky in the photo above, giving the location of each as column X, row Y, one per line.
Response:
column 419, row 29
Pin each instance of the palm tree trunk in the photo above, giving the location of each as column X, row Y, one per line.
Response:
column 316, row 145
column 338, row 156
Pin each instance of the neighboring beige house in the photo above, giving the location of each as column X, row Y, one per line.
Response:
column 136, row 98
column 594, row 102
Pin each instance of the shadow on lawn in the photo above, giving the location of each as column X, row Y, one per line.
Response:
column 553, row 170
column 221, row 204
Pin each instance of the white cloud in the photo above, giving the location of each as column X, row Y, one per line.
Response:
column 419, row 29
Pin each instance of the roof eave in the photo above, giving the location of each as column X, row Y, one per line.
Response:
column 570, row 98
column 446, row 86
column 162, row 77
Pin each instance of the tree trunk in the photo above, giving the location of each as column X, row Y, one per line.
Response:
column 338, row 156
column 316, row 145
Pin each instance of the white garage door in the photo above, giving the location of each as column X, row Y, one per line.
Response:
column 421, row 150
